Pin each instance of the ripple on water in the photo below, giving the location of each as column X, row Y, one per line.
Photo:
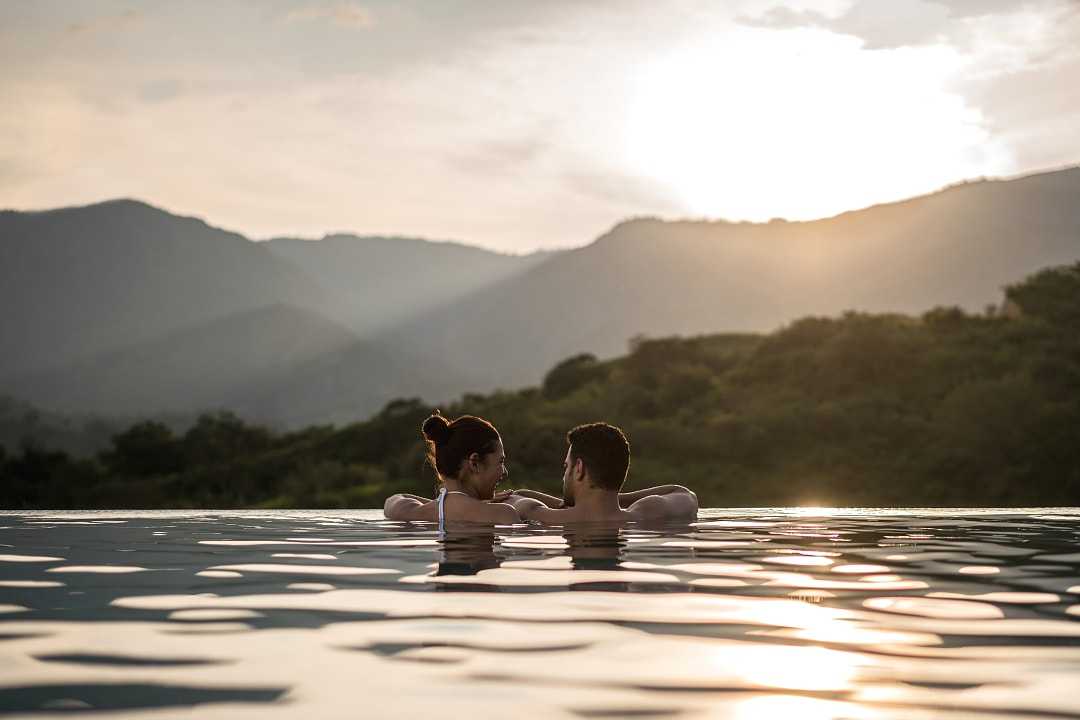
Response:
column 30, row 584
column 979, row 570
column 1012, row 598
column 801, row 560
column 935, row 608
column 104, row 696
column 305, row 569
column 125, row 660
column 510, row 577
column 859, row 569
column 213, row 614
column 749, row 613
column 98, row 569
column 219, row 574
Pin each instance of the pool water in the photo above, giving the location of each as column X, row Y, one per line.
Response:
column 764, row 613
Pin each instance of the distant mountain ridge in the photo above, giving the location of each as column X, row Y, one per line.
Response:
column 384, row 280
column 214, row 365
column 959, row 246
column 77, row 282
column 122, row 306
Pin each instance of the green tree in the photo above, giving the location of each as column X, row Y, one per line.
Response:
column 146, row 448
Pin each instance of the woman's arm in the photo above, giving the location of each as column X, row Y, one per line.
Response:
column 463, row 509
column 409, row 507
column 421, row 498
column 497, row 514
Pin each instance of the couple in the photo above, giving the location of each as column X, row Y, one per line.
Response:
column 469, row 459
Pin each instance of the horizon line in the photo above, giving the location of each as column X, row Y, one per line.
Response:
column 555, row 248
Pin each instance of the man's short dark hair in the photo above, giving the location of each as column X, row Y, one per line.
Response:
column 605, row 452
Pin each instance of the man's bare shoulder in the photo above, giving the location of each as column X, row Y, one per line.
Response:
column 672, row 507
column 553, row 516
column 536, row 511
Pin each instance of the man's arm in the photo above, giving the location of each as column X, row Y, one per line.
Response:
column 530, row 509
column 629, row 498
column 409, row 507
column 550, row 500
column 670, row 507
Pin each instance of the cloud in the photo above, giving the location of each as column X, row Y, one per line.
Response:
column 345, row 14
column 886, row 24
column 1033, row 102
column 499, row 157
column 475, row 119
column 158, row 91
column 105, row 23
column 630, row 193
column 14, row 173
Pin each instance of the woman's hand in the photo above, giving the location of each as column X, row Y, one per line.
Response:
column 502, row 496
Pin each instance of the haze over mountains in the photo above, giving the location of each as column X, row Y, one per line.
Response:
column 80, row 281
column 959, row 246
column 121, row 308
column 380, row 281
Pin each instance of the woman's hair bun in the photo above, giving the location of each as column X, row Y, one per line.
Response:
column 436, row 429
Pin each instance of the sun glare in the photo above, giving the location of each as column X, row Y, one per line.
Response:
column 803, row 124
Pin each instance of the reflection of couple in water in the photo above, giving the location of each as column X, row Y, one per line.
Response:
column 469, row 459
column 468, row 549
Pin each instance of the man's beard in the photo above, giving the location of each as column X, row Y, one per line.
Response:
column 567, row 498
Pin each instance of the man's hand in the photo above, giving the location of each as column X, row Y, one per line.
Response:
column 509, row 496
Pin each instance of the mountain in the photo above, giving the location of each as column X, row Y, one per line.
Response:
column 352, row 383
column 121, row 308
column 77, row 282
column 381, row 281
column 958, row 247
column 24, row 425
column 223, row 363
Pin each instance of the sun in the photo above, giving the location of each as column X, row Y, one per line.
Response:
column 803, row 123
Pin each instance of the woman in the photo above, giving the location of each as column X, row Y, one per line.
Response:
column 468, row 458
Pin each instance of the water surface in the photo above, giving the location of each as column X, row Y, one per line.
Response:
column 744, row 614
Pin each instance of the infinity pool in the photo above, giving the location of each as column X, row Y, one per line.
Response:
column 768, row 613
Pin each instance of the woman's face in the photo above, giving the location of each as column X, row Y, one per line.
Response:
column 490, row 471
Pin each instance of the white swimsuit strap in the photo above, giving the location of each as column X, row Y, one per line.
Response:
column 440, row 502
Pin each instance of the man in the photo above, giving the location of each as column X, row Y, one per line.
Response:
column 594, row 472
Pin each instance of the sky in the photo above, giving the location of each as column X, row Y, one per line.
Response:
column 518, row 125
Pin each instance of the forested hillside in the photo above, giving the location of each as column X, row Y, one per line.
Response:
column 944, row 408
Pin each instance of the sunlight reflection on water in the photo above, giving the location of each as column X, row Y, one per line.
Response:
column 808, row 613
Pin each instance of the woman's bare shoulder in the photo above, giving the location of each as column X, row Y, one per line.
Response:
column 463, row 508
